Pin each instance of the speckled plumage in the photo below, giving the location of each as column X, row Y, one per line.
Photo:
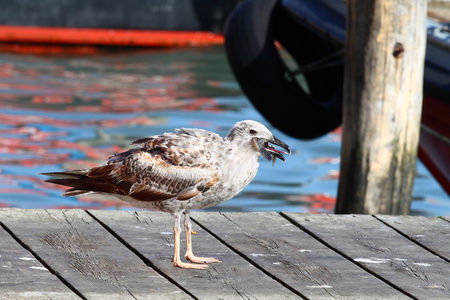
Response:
column 177, row 172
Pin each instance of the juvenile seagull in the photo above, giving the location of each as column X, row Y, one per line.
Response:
column 177, row 172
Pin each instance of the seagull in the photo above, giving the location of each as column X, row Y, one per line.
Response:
column 176, row 172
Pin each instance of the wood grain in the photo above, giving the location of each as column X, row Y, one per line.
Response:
column 22, row 275
column 81, row 251
column 432, row 233
column 382, row 251
column 294, row 257
column 150, row 233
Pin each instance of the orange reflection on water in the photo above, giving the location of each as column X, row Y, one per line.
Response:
column 315, row 203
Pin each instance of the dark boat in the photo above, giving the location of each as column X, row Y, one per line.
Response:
column 313, row 32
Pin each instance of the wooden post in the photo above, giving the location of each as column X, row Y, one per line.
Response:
column 385, row 51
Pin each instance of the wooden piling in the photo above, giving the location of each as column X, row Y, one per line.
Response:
column 385, row 51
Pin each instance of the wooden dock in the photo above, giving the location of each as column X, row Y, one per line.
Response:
column 73, row 254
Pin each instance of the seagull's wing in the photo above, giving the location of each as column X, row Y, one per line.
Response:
column 168, row 166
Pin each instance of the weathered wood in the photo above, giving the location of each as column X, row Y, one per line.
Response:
column 433, row 233
column 150, row 233
column 447, row 218
column 82, row 252
column 119, row 255
column 294, row 257
column 385, row 50
column 383, row 251
column 23, row 276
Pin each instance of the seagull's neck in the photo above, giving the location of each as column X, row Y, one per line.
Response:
column 242, row 149
column 243, row 166
column 243, row 155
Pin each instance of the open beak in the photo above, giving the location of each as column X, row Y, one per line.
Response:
column 267, row 150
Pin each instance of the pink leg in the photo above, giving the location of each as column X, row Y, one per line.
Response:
column 176, row 257
column 189, row 255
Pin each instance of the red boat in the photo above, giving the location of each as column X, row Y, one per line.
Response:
column 83, row 26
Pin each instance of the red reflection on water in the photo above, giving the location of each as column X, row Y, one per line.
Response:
column 28, row 145
column 98, row 86
column 51, row 100
column 126, row 104
column 205, row 104
column 21, row 191
column 316, row 203
column 200, row 124
column 47, row 49
column 96, row 204
column 332, row 175
column 17, row 178
column 336, row 135
column 105, row 201
column 325, row 160
column 23, row 120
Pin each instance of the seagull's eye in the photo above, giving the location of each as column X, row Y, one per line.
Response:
column 252, row 132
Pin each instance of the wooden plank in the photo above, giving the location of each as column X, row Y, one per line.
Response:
column 151, row 234
column 447, row 218
column 22, row 276
column 294, row 257
column 433, row 233
column 91, row 260
column 383, row 251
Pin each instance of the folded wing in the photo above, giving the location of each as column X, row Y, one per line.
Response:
column 163, row 167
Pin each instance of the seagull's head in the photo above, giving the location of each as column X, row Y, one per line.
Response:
column 260, row 138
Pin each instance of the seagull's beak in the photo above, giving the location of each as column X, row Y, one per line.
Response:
column 267, row 150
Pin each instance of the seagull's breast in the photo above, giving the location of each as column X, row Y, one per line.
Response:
column 238, row 168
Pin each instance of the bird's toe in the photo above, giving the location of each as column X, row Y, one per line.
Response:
column 184, row 265
column 202, row 260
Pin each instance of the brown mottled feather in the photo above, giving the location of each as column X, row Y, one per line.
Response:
column 161, row 168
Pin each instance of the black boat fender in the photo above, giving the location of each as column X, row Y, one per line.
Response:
column 250, row 33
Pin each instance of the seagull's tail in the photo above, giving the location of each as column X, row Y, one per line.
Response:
column 80, row 182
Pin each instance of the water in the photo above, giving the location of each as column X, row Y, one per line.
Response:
column 71, row 112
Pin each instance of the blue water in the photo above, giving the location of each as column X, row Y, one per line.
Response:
column 72, row 112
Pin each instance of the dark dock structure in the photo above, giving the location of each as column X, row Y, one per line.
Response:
column 98, row 254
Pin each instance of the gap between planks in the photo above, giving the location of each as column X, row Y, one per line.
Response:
column 414, row 240
column 42, row 261
column 242, row 255
column 373, row 273
column 140, row 255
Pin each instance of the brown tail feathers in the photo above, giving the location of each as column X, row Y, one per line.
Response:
column 81, row 181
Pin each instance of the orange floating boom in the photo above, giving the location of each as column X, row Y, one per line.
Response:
column 108, row 37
